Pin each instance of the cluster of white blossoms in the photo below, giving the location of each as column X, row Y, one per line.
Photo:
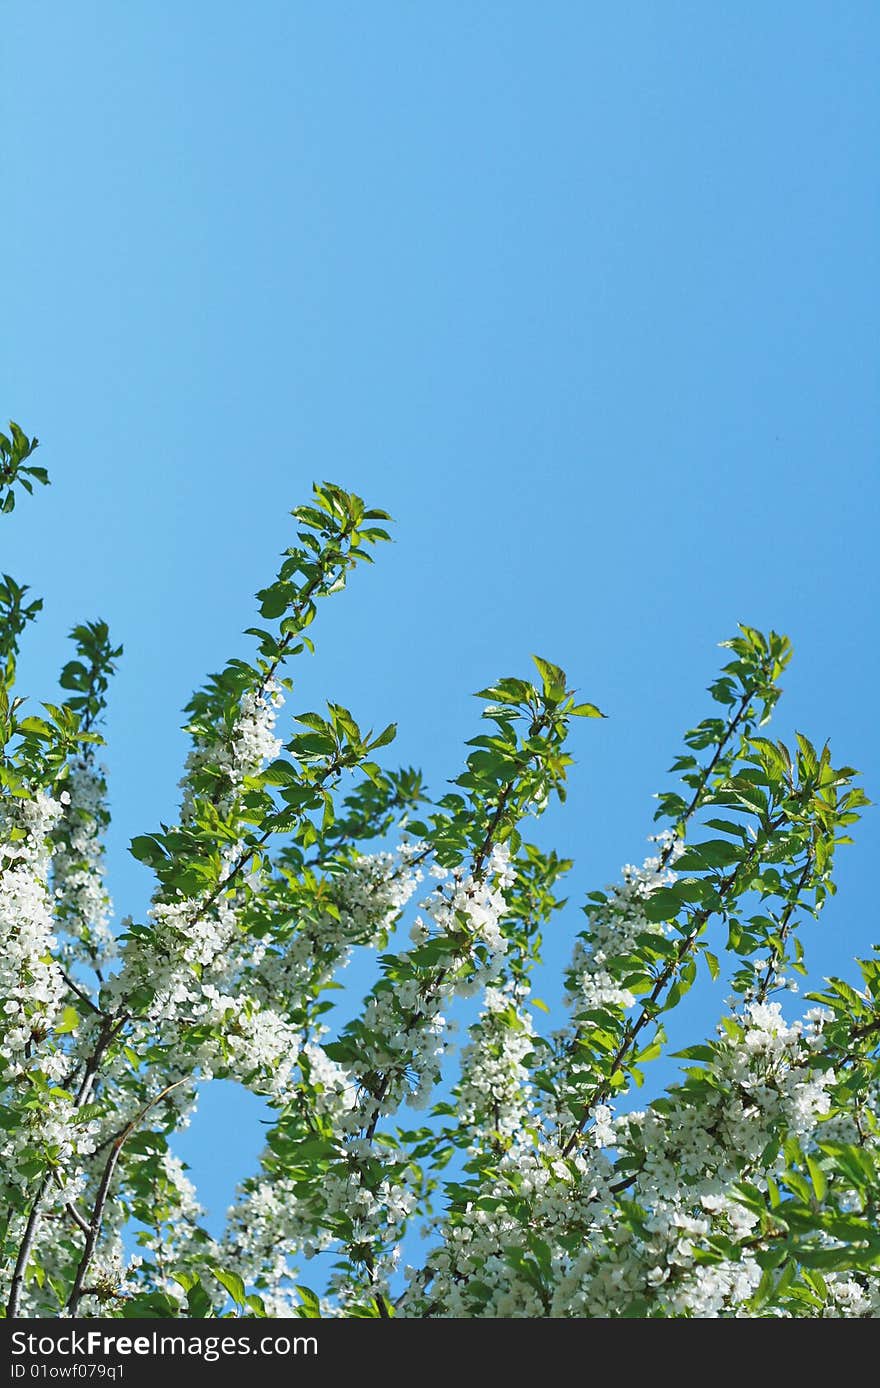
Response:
column 368, row 895
column 469, row 1273
column 271, row 1223
column 254, row 743
column 494, row 1093
column 373, row 889
column 113, row 1280
column 176, row 960
column 258, row 1047
column 477, row 901
column 401, row 1037
column 32, row 989
column 245, row 988
column 82, row 906
column 685, row 1156
column 61, row 1136
column 191, row 961
column 250, row 745
column 33, row 994
column 179, row 1243
column 688, row 1154
column 654, row 1268
column 403, row 1043
column 400, row 1044
column 190, row 967
column 613, row 932
column 763, row 1084
column 333, row 1090
column 400, row 1049
column 233, row 994
column 268, row 1224
column 267, row 1220
column 615, row 926
column 846, row 1298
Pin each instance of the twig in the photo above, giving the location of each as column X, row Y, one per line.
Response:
column 81, row 993
column 77, row 1218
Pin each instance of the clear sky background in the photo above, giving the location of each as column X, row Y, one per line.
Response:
column 586, row 295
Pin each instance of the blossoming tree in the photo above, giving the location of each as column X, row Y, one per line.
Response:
column 748, row 1189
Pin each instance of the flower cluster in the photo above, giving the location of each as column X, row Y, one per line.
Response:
column 82, row 906
column 400, row 1038
column 616, row 925
column 726, row 1124
column 32, row 988
column 494, row 1092
column 267, row 1220
column 366, row 897
column 577, row 1254
column 244, row 749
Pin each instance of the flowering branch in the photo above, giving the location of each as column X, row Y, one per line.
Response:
column 750, row 1187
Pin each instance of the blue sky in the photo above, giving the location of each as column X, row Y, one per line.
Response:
column 585, row 295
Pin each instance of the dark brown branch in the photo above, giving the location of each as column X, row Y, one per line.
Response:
column 94, row 1225
column 81, row 993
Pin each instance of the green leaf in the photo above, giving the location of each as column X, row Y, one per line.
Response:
column 276, row 599
column 552, row 676
column 280, row 773
column 233, row 1284
column 663, row 905
column 69, row 1021
column 146, row 849
column 311, row 1302
column 818, row 1177
column 587, row 711
column 387, row 735
column 198, row 1302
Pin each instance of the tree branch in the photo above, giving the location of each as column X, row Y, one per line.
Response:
column 94, row 1225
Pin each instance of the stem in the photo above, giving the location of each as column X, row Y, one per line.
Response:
column 109, row 1031
column 785, row 928
column 705, row 774
column 866, row 1029
column 476, row 869
column 330, row 770
column 81, row 994
column 381, row 1303
column 697, row 797
column 305, row 597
